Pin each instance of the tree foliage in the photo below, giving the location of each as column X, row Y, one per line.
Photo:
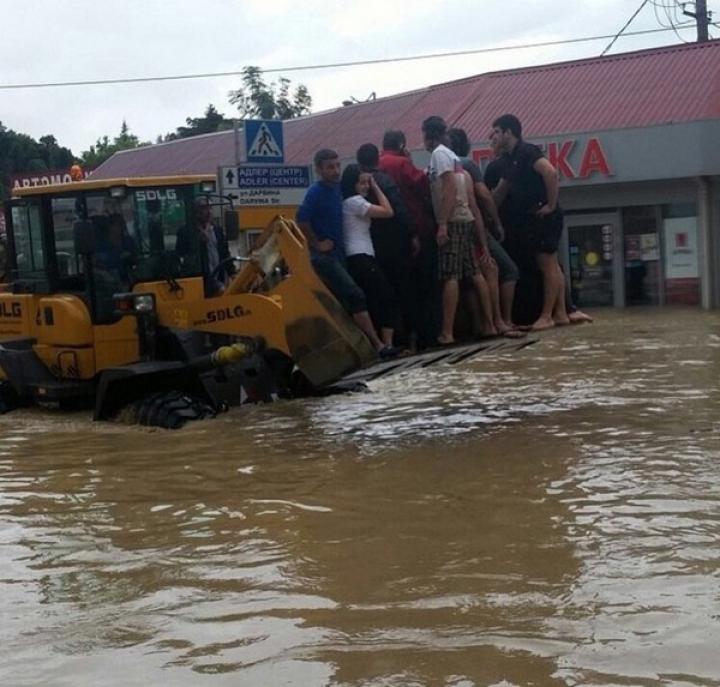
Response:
column 104, row 148
column 256, row 99
column 22, row 153
column 211, row 122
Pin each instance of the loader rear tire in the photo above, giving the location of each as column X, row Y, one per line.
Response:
column 171, row 410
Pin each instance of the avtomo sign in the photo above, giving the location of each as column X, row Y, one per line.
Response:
column 44, row 178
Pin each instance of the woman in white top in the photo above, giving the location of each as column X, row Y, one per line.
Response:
column 358, row 213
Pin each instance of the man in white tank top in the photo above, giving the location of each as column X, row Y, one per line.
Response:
column 459, row 223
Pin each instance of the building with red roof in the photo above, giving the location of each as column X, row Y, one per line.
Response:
column 633, row 136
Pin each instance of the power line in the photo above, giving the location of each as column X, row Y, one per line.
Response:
column 359, row 63
column 672, row 18
column 627, row 23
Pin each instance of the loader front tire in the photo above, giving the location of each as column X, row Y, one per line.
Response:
column 170, row 410
column 9, row 400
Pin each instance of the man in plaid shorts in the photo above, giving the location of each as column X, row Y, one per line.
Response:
column 459, row 225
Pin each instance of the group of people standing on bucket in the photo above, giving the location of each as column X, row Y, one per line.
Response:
column 398, row 245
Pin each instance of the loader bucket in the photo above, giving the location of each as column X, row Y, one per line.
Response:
column 322, row 339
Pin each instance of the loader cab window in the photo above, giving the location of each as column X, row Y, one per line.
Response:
column 110, row 261
column 65, row 214
column 27, row 241
column 99, row 209
column 161, row 214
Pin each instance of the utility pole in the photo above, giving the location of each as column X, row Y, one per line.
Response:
column 702, row 17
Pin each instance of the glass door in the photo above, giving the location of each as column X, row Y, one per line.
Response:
column 641, row 254
column 591, row 246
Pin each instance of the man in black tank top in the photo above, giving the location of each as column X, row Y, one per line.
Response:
column 527, row 195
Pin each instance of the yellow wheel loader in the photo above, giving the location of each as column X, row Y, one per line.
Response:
column 101, row 306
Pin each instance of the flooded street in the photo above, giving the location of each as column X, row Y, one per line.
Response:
column 549, row 517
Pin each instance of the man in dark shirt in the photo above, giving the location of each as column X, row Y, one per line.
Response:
column 392, row 239
column 206, row 242
column 414, row 187
column 528, row 198
column 526, row 308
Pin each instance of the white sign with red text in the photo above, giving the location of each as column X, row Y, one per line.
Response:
column 681, row 250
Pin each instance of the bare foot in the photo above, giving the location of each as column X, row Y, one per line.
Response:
column 579, row 317
column 513, row 334
column 510, row 332
column 542, row 324
column 520, row 327
column 561, row 320
column 444, row 341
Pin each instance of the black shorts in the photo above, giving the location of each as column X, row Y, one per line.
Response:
column 543, row 233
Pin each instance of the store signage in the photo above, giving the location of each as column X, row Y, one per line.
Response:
column 573, row 159
column 44, row 178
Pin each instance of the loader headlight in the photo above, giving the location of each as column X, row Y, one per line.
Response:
column 133, row 303
column 117, row 191
column 144, row 302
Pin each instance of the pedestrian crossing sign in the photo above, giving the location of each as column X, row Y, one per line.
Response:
column 264, row 140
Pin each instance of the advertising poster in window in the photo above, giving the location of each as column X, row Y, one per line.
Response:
column 681, row 255
column 681, row 261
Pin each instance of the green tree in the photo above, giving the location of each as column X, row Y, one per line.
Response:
column 211, row 122
column 54, row 155
column 104, row 148
column 22, row 153
column 257, row 99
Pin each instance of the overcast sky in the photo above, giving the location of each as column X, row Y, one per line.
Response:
column 48, row 41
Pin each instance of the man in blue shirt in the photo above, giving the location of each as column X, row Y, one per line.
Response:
column 320, row 218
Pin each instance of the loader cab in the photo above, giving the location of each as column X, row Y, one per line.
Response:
column 3, row 259
column 94, row 239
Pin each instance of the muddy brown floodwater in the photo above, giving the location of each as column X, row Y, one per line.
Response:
column 550, row 517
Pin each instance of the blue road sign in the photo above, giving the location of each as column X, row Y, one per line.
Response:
column 264, row 140
column 259, row 176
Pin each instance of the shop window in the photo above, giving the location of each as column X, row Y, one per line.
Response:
column 680, row 243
